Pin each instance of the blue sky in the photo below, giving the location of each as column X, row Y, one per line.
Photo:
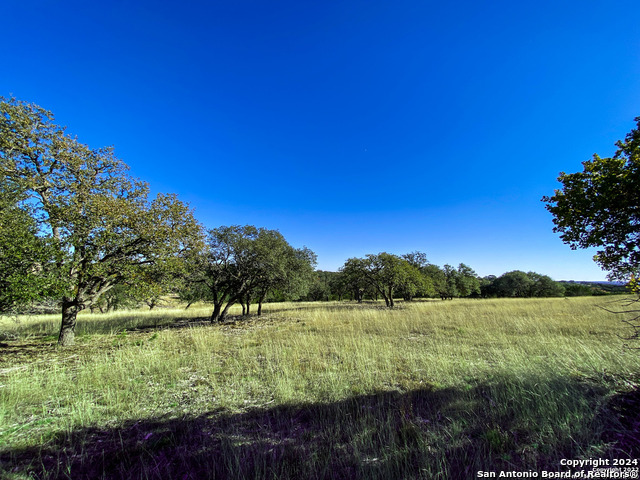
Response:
column 353, row 127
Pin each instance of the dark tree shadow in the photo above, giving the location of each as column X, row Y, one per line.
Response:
column 623, row 411
column 426, row 433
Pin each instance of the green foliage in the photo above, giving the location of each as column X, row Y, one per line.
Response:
column 119, row 297
column 600, row 207
column 438, row 280
column 408, row 276
column 279, row 266
column 420, row 283
column 416, row 259
column 25, row 258
column 520, row 284
column 487, row 288
column 192, row 289
column 353, row 274
column 323, row 286
column 572, row 289
column 386, row 274
column 281, row 272
column 240, row 264
column 467, row 282
column 544, row 286
column 513, row 284
column 101, row 221
column 222, row 267
column 413, row 283
column 450, row 283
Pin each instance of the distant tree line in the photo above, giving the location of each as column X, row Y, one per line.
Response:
column 520, row 284
column 583, row 289
column 411, row 276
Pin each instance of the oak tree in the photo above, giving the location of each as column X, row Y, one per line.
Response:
column 386, row 274
column 103, row 224
column 243, row 263
column 513, row 284
column 353, row 274
column 600, row 207
column 276, row 266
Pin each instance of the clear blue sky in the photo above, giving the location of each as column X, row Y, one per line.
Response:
column 353, row 127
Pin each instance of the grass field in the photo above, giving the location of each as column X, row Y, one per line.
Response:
column 430, row 389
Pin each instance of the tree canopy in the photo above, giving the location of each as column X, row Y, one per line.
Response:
column 25, row 258
column 520, row 284
column 240, row 264
column 386, row 275
column 101, row 221
column 600, row 207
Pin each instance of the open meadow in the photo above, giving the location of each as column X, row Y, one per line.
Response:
column 430, row 389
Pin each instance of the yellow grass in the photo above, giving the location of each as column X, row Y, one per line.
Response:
column 528, row 359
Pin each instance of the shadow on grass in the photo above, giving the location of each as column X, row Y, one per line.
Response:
column 625, row 409
column 426, row 433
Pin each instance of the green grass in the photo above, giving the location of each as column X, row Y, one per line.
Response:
column 320, row 390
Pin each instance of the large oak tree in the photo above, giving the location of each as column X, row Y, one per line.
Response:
column 103, row 224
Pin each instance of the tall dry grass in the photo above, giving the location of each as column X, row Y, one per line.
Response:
column 412, row 391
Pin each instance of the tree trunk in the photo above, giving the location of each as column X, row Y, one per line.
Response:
column 225, row 310
column 248, row 306
column 390, row 297
column 243, row 309
column 260, row 300
column 70, row 311
column 215, row 316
